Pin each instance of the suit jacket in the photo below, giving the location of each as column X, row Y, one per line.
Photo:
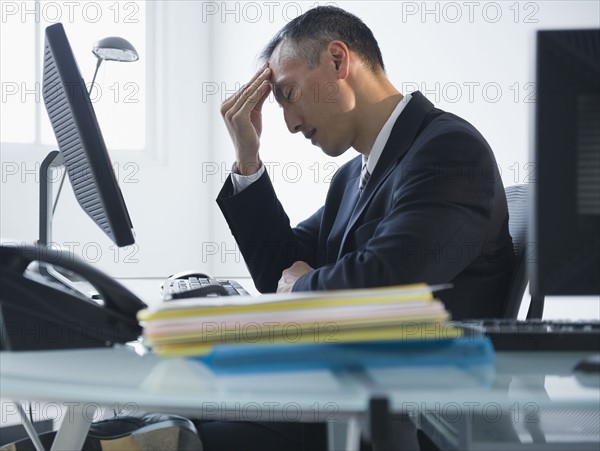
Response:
column 434, row 210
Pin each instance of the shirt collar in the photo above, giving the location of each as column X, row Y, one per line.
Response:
column 384, row 135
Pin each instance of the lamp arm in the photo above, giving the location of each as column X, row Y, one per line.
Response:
column 95, row 73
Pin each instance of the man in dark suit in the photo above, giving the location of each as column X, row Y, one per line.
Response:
column 423, row 202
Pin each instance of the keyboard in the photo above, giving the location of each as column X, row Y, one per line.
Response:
column 536, row 335
column 201, row 287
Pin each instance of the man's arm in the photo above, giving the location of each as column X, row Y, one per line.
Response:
column 262, row 230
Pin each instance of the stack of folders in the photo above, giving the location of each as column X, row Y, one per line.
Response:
column 332, row 329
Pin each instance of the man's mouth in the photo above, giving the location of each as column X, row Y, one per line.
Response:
column 310, row 135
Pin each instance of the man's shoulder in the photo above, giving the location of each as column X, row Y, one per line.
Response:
column 432, row 121
column 448, row 129
column 440, row 122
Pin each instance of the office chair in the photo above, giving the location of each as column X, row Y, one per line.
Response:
column 517, row 197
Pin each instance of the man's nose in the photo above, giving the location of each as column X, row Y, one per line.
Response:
column 293, row 121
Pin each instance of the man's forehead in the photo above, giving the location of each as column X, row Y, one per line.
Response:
column 283, row 63
column 283, row 53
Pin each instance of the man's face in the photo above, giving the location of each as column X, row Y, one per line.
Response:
column 315, row 102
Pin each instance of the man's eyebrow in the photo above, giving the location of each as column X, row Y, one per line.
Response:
column 278, row 84
column 277, row 87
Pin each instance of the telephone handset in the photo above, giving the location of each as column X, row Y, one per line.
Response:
column 37, row 313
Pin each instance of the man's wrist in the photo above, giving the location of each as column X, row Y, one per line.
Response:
column 247, row 167
column 241, row 182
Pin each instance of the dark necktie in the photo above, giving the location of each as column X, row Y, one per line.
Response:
column 364, row 178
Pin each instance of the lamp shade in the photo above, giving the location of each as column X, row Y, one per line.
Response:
column 115, row 48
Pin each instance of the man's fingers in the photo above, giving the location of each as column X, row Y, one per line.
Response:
column 231, row 99
column 246, row 106
column 243, row 123
column 250, row 97
column 245, row 92
column 264, row 96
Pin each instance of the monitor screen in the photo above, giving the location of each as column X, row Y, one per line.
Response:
column 566, row 194
column 80, row 141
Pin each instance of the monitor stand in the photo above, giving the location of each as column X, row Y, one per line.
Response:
column 54, row 160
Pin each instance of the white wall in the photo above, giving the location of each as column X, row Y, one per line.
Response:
column 478, row 65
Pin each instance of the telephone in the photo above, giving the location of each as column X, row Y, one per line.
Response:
column 37, row 313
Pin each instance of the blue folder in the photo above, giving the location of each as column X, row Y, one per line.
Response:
column 465, row 351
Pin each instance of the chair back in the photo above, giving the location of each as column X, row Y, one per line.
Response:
column 518, row 217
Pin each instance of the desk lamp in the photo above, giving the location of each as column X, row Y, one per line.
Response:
column 113, row 48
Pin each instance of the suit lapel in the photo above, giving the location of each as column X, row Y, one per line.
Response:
column 347, row 206
column 402, row 136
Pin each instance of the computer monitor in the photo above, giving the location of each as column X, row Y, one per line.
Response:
column 566, row 193
column 80, row 141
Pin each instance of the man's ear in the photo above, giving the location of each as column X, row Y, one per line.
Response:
column 340, row 55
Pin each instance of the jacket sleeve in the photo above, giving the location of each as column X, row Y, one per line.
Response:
column 262, row 230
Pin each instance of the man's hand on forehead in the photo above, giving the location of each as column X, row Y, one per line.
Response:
column 242, row 113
